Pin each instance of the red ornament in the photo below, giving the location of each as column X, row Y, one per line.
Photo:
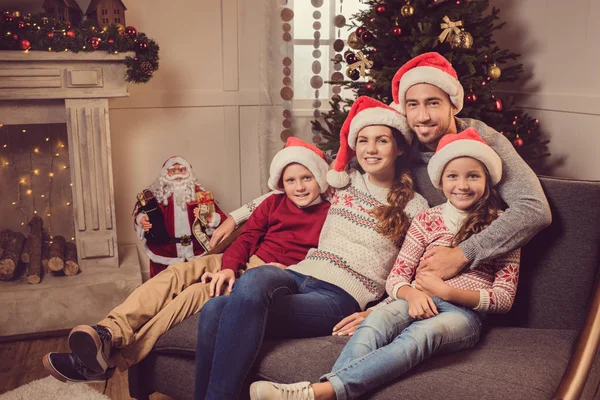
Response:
column 369, row 85
column 15, row 36
column 8, row 17
column 21, row 25
column 25, row 44
column 471, row 98
column 381, row 9
column 518, row 142
column 130, row 31
column 142, row 45
column 396, row 31
column 71, row 34
column 360, row 30
column 50, row 35
column 498, row 106
column 95, row 42
column 350, row 58
column 110, row 41
column 366, row 37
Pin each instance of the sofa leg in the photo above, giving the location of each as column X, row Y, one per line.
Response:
column 137, row 389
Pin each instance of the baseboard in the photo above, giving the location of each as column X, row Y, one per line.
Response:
column 34, row 336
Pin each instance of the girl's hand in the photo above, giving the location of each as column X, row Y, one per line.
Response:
column 348, row 325
column 145, row 223
column 430, row 283
column 222, row 231
column 420, row 305
column 217, row 279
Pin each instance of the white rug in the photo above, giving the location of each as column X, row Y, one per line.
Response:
column 49, row 388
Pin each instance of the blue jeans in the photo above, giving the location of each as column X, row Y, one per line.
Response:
column 266, row 302
column 389, row 342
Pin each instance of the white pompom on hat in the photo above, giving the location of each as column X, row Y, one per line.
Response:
column 430, row 68
column 298, row 151
column 365, row 111
column 468, row 143
column 172, row 161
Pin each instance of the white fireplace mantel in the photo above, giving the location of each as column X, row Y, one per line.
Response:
column 73, row 88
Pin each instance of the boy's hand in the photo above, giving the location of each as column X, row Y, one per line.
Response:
column 420, row 305
column 430, row 283
column 145, row 223
column 222, row 231
column 445, row 262
column 348, row 325
column 217, row 279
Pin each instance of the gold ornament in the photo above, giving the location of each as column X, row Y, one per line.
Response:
column 362, row 63
column 449, row 28
column 354, row 42
column 407, row 10
column 462, row 40
column 17, row 14
column 120, row 29
column 494, row 71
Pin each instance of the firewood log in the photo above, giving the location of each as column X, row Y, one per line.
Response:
column 11, row 256
column 34, row 269
column 57, row 253
column 71, row 266
column 26, row 250
column 5, row 235
column 45, row 250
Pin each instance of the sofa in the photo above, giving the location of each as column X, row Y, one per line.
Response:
column 546, row 347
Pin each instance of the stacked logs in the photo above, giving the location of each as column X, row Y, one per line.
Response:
column 37, row 252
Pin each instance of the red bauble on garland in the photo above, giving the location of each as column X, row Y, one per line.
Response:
column 396, row 31
column 95, row 42
column 381, row 10
column 518, row 142
column 71, row 34
column 471, row 98
column 130, row 31
column 142, row 45
column 366, row 37
column 21, row 25
column 25, row 44
column 50, row 35
column 360, row 30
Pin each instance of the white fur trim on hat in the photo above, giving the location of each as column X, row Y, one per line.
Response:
column 301, row 155
column 464, row 148
column 378, row 116
column 338, row 179
column 435, row 77
column 175, row 160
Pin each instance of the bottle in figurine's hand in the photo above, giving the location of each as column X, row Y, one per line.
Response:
column 148, row 205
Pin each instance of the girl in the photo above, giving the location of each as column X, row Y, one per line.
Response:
column 430, row 315
column 336, row 279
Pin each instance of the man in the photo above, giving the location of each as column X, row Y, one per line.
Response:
column 175, row 190
column 427, row 91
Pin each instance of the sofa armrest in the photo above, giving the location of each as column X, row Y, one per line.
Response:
column 574, row 379
column 225, row 243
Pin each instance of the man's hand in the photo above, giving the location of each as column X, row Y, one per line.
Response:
column 420, row 305
column 445, row 262
column 217, row 279
column 145, row 223
column 222, row 231
column 431, row 284
column 348, row 325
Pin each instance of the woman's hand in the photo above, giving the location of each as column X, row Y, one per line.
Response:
column 420, row 305
column 145, row 223
column 217, row 279
column 222, row 231
column 430, row 283
column 348, row 325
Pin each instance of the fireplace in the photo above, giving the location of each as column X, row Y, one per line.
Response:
column 56, row 164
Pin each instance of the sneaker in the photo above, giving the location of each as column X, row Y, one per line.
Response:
column 91, row 344
column 67, row 367
column 263, row 390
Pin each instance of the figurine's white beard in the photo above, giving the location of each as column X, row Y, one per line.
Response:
column 183, row 191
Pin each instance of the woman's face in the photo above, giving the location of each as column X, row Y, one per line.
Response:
column 377, row 150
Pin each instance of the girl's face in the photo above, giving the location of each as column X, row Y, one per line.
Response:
column 300, row 185
column 463, row 182
column 377, row 150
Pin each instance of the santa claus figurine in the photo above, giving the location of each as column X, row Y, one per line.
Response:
column 176, row 192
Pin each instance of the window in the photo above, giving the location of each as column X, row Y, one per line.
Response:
column 118, row 12
column 303, row 33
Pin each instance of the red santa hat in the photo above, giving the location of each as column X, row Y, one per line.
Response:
column 468, row 143
column 430, row 68
column 172, row 161
column 365, row 111
column 298, row 151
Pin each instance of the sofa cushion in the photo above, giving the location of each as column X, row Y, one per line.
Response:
column 515, row 363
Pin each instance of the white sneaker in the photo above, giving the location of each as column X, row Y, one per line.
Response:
column 264, row 390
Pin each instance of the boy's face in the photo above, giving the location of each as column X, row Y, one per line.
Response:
column 429, row 113
column 300, row 185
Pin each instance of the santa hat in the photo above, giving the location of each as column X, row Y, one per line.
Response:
column 365, row 111
column 430, row 68
column 172, row 161
column 298, row 151
column 468, row 143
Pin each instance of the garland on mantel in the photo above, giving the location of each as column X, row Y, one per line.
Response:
column 39, row 32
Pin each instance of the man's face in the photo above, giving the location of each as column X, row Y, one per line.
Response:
column 429, row 113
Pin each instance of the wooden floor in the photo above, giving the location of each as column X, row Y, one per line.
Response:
column 21, row 363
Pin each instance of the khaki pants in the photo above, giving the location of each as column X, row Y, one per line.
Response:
column 159, row 304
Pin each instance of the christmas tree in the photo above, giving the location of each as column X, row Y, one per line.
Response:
column 391, row 32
